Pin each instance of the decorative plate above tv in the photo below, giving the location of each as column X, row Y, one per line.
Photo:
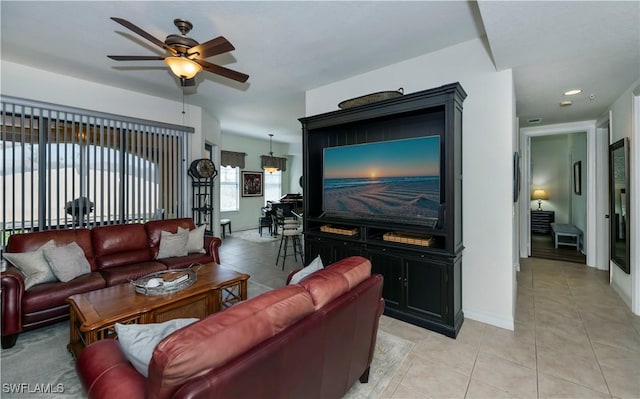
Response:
column 370, row 98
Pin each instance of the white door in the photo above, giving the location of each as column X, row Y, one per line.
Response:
column 602, row 196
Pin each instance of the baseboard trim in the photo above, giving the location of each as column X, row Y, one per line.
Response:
column 489, row 318
column 620, row 291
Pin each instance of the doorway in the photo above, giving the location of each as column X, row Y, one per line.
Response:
column 571, row 198
column 558, row 215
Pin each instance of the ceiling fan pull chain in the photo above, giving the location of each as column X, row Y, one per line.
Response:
column 183, row 107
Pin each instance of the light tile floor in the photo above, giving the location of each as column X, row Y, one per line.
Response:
column 573, row 338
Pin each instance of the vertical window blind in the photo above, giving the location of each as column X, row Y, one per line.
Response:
column 63, row 167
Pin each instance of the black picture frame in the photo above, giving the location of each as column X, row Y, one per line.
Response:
column 577, row 178
column 516, row 176
column 252, row 183
column 619, row 200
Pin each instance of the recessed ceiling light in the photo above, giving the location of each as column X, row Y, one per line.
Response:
column 572, row 92
column 565, row 103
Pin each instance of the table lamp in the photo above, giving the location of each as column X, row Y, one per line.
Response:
column 539, row 195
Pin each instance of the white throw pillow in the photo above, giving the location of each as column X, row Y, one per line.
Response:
column 195, row 244
column 67, row 262
column 139, row 340
column 33, row 265
column 314, row 266
column 173, row 244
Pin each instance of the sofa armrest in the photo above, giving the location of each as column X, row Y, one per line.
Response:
column 212, row 244
column 105, row 372
column 12, row 288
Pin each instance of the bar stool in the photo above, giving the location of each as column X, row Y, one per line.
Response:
column 290, row 230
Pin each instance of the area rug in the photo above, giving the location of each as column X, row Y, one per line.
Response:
column 389, row 355
column 39, row 365
column 254, row 236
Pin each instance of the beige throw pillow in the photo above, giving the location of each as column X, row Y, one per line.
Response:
column 67, row 262
column 139, row 340
column 314, row 266
column 33, row 265
column 173, row 244
column 195, row 244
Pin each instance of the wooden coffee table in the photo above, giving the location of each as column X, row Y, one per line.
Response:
column 93, row 314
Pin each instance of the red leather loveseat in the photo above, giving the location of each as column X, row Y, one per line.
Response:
column 116, row 254
column 310, row 340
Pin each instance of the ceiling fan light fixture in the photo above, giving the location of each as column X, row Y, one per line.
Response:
column 572, row 92
column 185, row 56
column 183, row 67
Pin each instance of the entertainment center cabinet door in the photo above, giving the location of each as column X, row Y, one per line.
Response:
column 390, row 267
column 426, row 287
column 420, row 289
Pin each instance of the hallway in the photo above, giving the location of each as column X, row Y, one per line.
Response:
column 542, row 247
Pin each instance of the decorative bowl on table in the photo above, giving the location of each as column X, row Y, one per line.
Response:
column 167, row 281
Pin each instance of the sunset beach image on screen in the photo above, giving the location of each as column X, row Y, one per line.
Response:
column 398, row 178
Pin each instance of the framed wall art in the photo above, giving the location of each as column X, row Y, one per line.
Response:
column 577, row 178
column 252, row 183
column 516, row 176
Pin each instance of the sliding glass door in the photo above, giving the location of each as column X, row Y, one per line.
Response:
column 63, row 168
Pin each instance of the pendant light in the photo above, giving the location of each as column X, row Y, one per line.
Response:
column 269, row 164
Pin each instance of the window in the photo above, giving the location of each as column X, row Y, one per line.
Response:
column 272, row 186
column 65, row 167
column 229, row 189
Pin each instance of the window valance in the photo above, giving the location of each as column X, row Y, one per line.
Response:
column 233, row 159
column 281, row 163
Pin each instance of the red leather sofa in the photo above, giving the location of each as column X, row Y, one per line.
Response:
column 309, row 340
column 116, row 254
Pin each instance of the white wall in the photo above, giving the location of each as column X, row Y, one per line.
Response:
column 211, row 134
column 622, row 125
column 577, row 144
column 295, row 162
column 247, row 216
column 488, row 134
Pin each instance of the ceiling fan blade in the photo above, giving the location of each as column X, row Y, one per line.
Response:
column 222, row 71
column 144, row 34
column 136, row 57
column 210, row 48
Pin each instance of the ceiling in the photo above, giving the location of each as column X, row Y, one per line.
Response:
column 290, row 47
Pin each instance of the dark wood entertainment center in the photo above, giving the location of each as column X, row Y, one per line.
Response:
column 423, row 277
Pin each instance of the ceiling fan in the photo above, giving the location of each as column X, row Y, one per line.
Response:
column 185, row 56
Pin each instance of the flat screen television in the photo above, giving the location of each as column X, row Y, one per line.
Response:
column 396, row 180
